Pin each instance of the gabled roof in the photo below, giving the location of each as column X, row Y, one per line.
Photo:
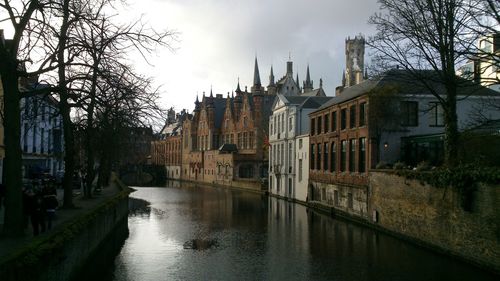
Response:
column 407, row 84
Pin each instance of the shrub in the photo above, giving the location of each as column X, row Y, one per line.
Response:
column 399, row 166
column 382, row 165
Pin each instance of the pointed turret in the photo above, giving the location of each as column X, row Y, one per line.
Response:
column 308, row 84
column 271, row 88
column 197, row 104
column 271, row 77
column 238, row 89
column 256, row 89
column 256, row 74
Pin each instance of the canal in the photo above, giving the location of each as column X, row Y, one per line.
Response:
column 204, row 233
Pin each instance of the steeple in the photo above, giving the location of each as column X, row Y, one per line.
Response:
column 271, row 77
column 308, row 84
column 238, row 90
column 256, row 89
column 256, row 75
column 197, row 104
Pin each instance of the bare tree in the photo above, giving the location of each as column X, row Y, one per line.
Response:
column 420, row 35
column 14, row 55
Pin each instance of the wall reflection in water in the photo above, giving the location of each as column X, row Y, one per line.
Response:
column 246, row 236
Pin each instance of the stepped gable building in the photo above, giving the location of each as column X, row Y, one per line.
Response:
column 167, row 151
column 225, row 141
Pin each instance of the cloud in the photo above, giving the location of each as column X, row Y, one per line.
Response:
column 219, row 39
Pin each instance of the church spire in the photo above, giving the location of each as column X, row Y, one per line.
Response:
column 256, row 75
column 308, row 84
column 238, row 90
column 271, row 77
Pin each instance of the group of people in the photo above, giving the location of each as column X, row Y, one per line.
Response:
column 40, row 204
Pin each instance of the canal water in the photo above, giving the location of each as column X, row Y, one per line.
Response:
column 204, row 233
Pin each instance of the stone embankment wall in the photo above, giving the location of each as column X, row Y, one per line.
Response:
column 434, row 217
column 63, row 254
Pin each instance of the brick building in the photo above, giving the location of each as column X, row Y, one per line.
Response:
column 225, row 141
column 167, row 151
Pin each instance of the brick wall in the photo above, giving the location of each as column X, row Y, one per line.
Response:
column 435, row 217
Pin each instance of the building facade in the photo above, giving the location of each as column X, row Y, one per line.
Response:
column 42, row 141
column 386, row 120
column 288, row 139
column 226, row 140
column 167, row 151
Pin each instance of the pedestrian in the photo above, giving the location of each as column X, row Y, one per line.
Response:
column 50, row 202
column 33, row 206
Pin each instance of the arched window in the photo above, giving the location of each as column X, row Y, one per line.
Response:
column 246, row 171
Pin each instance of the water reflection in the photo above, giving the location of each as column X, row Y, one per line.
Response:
column 259, row 238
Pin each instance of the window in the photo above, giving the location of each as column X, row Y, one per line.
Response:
column 290, row 157
column 325, row 157
column 34, row 139
column 362, row 114
column 25, row 138
column 409, row 113
column 318, row 156
column 271, row 157
column 334, row 121
column 290, row 123
column 300, row 143
column 282, row 154
column 362, row 155
column 333, row 156
column 251, row 140
column 245, row 140
column 319, row 125
column 312, row 156
column 226, row 124
column 300, row 169
column 283, row 123
column 246, row 171
column 274, row 120
column 240, row 141
column 352, row 117
column 343, row 118
column 312, row 126
column 436, row 115
column 352, row 155
column 42, row 143
column 327, row 119
column 279, row 123
column 343, row 155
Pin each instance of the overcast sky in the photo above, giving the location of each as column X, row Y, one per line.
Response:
column 218, row 41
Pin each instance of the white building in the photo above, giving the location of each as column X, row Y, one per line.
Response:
column 289, row 142
column 485, row 68
column 41, row 136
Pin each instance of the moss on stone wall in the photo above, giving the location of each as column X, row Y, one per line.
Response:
column 36, row 253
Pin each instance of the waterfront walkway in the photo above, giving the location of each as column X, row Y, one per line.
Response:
column 10, row 246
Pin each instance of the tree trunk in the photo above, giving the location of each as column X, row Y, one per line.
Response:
column 69, row 163
column 451, row 131
column 13, row 222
